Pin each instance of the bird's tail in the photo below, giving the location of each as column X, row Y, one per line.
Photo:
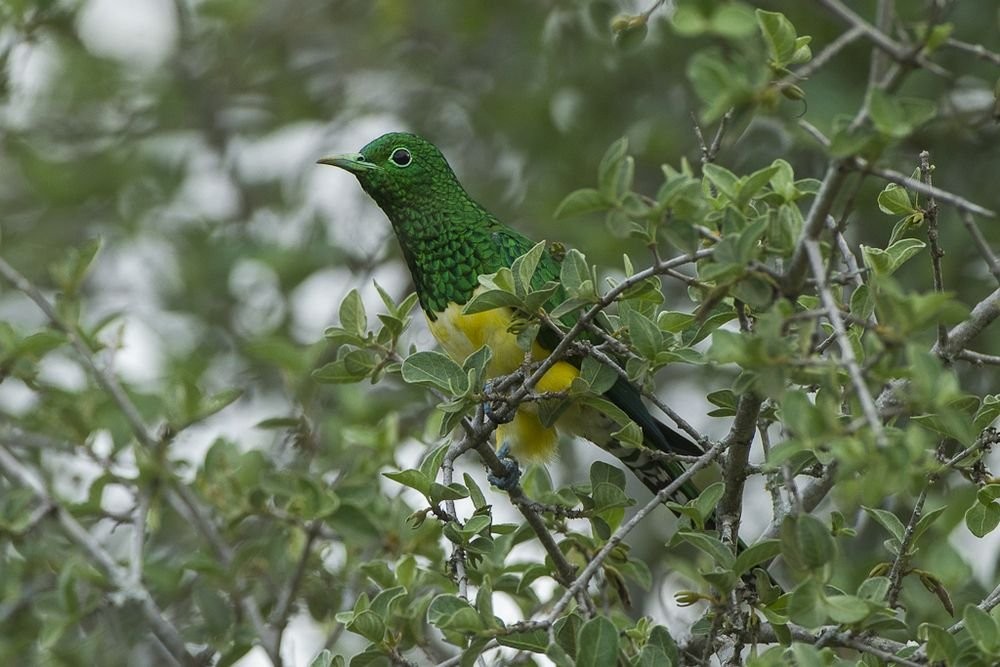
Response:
column 651, row 469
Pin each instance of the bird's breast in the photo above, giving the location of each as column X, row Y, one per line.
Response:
column 460, row 335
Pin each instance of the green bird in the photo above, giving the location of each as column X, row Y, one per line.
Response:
column 448, row 241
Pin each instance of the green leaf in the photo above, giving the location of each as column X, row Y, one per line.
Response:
column 597, row 643
column 369, row 625
column 431, row 463
column 337, row 372
column 535, row 641
column 608, row 170
column 801, row 417
column 661, row 638
column 886, row 262
column 862, row 302
column 491, row 299
column 411, row 478
column 982, row 519
column 475, row 493
column 894, row 200
column 707, row 500
column 779, row 36
column 874, row 589
column 939, row 34
column 69, row 273
column 436, row 370
column 889, row 521
column 925, row 522
column 783, row 180
column 602, row 473
column 982, row 628
column 450, row 612
column 453, row 491
column 902, row 250
column 718, row 84
column 732, row 20
column 941, row 644
column 988, row 493
column 352, row 314
column 846, row 608
column 988, row 411
column 578, row 202
column 806, row 604
column 724, row 180
column 816, row 545
column 727, row 347
column 712, row 546
column 524, row 267
column 752, row 184
column 898, row 117
column 755, row 554
column 645, row 335
column 597, row 375
column 574, row 275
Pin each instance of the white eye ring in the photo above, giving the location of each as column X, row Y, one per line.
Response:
column 401, row 157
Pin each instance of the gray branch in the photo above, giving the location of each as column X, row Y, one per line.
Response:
column 118, row 576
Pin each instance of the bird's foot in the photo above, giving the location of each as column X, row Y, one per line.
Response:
column 512, row 473
column 495, row 410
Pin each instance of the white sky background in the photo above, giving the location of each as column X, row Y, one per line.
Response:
column 142, row 34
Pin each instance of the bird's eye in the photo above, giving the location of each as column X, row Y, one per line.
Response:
column 400, row 157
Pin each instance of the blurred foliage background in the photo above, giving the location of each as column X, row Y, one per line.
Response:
column 181, row 138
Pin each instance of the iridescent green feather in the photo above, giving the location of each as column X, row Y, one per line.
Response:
column 448, row 240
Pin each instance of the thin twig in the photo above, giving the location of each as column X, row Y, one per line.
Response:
column 810, row 498
column 734, row 470
column 846, row 349
column 900, row 562
column 978, row 358
column 902, row 179
column 884, row 649
column 984, row 248
column 286, row 599
column 581, row 581
column 833, row 180
column 931, row 216
column 843, row 40
column 457, row 553
column 899, row 52
column 977, row 50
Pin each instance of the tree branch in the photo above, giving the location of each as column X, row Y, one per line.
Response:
column 118, row 576
column 734, row 470
column 795, row 275
column 179, row 496
column 899, row 52
column 846, row 349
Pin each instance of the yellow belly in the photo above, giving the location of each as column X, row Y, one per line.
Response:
column 461, row 335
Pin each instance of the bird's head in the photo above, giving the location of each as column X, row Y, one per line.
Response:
column 402, row 171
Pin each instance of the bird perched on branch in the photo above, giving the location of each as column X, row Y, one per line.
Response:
column 448, row 241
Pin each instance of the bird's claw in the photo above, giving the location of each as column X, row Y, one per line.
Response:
column 512, row 474
column 494, row 410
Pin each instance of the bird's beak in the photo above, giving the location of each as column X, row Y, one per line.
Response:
column 352, row 162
